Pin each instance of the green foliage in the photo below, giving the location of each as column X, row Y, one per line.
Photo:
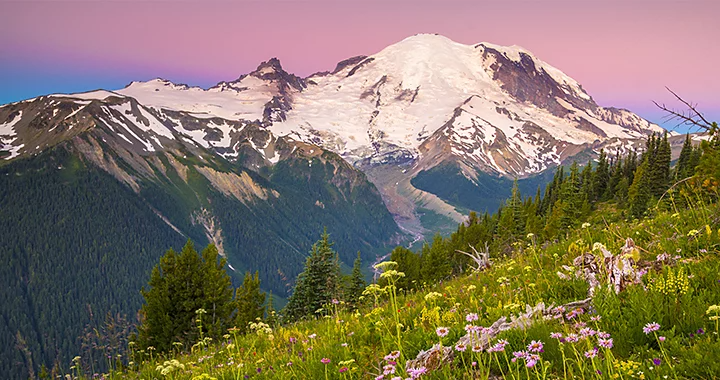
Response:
column 179, row 286
column 355, row 284
column 250, row 302
column 318, row 284
column 74, row 242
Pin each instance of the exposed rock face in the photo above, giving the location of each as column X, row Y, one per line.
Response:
column 423, row 102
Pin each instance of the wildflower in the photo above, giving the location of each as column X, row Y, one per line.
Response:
column 595, row 318
column 343, row 369
column 442, row 331
column 392, row 356
column 661, row 338
column 344, row 344
column 605, row 343
column 591, row 353
column 474, row 364
column 289, row 364
column 603, row 335
column 531, row 360
column 586, row 332
column 460, row 347
column 519, row 355
column 585, row 225
column 325, row 361
column 312, row 336
column 396, row 378
column 292, row 340
column 471, row 317
column 335, row 301
column 417, row 372
column 388, row 369
column 379, row 377
column 700, row 331
column 535, row 346
column 556, row 335
column 657, row 361
column 476, row 348
column 650, row 327
column 572, row 338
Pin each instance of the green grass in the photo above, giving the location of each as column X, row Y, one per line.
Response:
column 356, row 342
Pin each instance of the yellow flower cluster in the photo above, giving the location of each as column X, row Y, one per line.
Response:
column 673, row 283
column 627, row 368
column 430, row 317
column 170, row 366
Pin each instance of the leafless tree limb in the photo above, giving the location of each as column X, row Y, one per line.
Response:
column 691, row 116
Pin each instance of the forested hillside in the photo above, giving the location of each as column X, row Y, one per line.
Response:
column 592, row 278
column 79, row 244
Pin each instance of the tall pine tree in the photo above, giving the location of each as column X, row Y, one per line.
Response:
column 180, row 285
column 318, row 284
column 250, row 301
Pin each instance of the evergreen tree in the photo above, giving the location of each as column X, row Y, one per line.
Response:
column 408, row 263
column 249, row 301
column 318, row 284
column 271, row 317
column 511, row 223
column 601, row 179
column 217, row 293
column 356, row 284
column 659, row 166
column 435, row 263
column 683, row 169
column 639, row 194
column 180, row 285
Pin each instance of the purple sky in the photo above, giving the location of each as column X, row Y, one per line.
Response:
column 624, row 53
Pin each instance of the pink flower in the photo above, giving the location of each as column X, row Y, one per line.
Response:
column 572, row 338
column 388, row 369
column 556, row 335
column 661, row 338
column 650, row 327
column 605, row 343
column 442, row 331
column 325, row 361
column 416, row 372
column 343, row 369
column 460, row 347
column 535, row 346
column 591, row 354
column 603, row 335
column 586, row 332
column 471, row 317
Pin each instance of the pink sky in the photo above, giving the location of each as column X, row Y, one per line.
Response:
column 623, row 52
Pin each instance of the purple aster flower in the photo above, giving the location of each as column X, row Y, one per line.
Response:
column 605, row 343
column 556, row 335
column 325, row 361
column 650, row 327
column 460, row 347
column 471, row 317
column 591, row 353
column 442, row 331
column 657, row 361
column 535, row 346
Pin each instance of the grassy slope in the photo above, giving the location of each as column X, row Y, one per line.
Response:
column 526, row 278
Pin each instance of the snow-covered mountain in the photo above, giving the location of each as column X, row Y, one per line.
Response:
column 422, row 103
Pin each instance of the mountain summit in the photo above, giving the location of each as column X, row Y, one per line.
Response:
column 423, row 106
